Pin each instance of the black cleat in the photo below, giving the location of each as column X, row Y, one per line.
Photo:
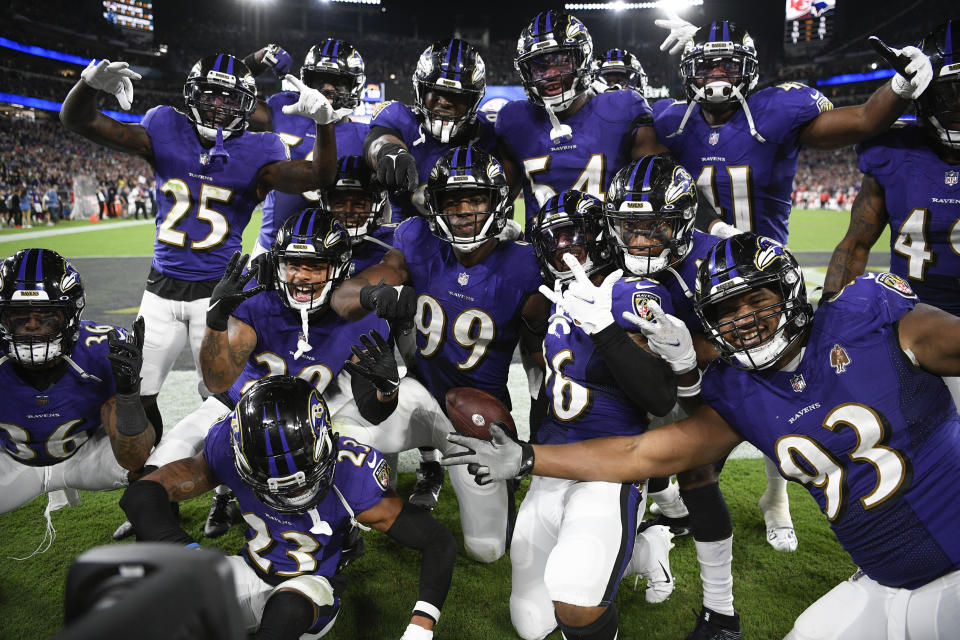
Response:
column 678, row 526
column 716, row 626
column 429, row 482
column 223, row 513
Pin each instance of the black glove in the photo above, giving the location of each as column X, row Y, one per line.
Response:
column 396, row 168
column 392, row 303
column 126, row 358
column 229, row 293
column 376, row 363
column 264, row 270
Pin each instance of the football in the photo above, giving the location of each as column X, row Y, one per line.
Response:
column 471, row 411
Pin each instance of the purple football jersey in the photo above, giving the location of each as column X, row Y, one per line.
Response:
column 583, row 398
column 873, row 438
column 298, row 133
column 278, row 330
column 746, row 181
column 922, row 196
column 372, row 249
column 468, row 318
column 424, row 148
column 203, row 203
column 283, row 545
column 603, row 132
column 40, row 428
column 681, row 280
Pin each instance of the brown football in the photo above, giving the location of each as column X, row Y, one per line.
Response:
column 471, row 411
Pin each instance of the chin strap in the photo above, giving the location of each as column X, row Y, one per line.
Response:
column 559, row 131
column 346, row 506
column 303, row 342
column 700, row 96
column 83, row 374
column 369, row 238
column 219, row 153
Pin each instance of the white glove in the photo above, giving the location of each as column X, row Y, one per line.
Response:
column 500, row 458
column 921, row 69
column 681, row 32
column 511, row 231
column 588, row 305
column 114, row 78
column 723, row 230
column 313, row 104
column 415, row 632
column 667, row 336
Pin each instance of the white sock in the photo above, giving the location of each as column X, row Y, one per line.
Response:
column 774, row 502
column 222, row 489
column 429, row 455
column 669, row 501
column 716, row 562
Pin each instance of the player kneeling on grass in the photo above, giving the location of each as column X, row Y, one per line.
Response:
column 848, row 401
column 71, row 417
column 302, row 490
column 574, row 541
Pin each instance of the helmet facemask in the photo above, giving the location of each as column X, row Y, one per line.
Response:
column 35, row 334
column 213, row 105
column 471, row 221
column 647, row 243
column 306, row 281
column 556, row 76
column 339, row 88
column 446, row 110
column 939, row 109
column 357, row 209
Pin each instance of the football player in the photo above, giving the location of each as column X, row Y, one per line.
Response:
column 71, row 416
column 210, row 175
column 565, row 136
column 405, row 142
column 302, row 490
column 472, row 295
column 911, row 183
column 574, row 541
column 336, row 69
column 650, row 213
column 619, row 69
column 872, row 433
column 742, row 144
column 361, row 205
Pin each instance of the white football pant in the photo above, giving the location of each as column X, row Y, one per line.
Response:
column 863, row 609
column 572, row 543
column 168, row 325
column 92, row 468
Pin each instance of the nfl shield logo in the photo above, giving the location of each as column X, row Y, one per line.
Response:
column 950, row 178
column 714, row 138
column 798, row 383
column 42, row 401
column 204, row 158
column 463, row 279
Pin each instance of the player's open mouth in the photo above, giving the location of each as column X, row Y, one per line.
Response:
column 302, row 293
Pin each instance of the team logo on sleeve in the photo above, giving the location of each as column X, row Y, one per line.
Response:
column 641, row 306
column 382, row 474
column 896, row 283
column 839, row 359
column 823, row 103
column 950, row 178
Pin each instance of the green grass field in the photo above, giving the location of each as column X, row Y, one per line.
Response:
column 770, row 588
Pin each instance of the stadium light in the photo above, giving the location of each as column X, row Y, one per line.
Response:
column 371, row 2
column 675, row 6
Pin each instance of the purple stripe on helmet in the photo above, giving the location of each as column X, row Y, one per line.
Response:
column 216, row 63
column 469, row 158
column 630, row 182
column 22, row 274
column 713, row 32
column 536, row 25
column 287, row 456
column 645, row 197
column 271, row 461
column 459, row 67
column 336, row 49
column 948, row 44
column 446, row 61
column 549, row 22
column 731, row 264
column 230, row 65
column 313, row 220
column 326, row 47
column 39, row 272
column 726, row 31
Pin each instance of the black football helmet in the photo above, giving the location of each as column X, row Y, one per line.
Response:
column 41, row 299
column 569, row 222
column 938, row 107
column 738, row 265
column 551, row 40
column 467, row 170
column 620, row 69
column 220, row 93
column 337, row 63
column 650, row 211
column 456, row 71
column 283, row 448
column 356, row 200
column 312, row 238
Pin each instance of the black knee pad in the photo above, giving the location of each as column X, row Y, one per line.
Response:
column 709, row 516
column 287, row 614
column 603, row 628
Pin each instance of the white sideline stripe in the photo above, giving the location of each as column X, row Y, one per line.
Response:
column 32, row 235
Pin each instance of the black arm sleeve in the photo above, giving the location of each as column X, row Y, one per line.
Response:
column 415, row 528
column 148, row 508
column 370, row 407
column 642, row 376
column 706, row 215
column 256, row 68
column 378, row 131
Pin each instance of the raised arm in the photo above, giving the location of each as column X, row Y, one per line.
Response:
column 131, row 434
column 348, row 299
column 297, row 176
column 868, row 218
column 933, row 337
column 79, row 111
column 388, row 156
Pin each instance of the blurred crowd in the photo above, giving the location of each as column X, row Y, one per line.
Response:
column 826, row 179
